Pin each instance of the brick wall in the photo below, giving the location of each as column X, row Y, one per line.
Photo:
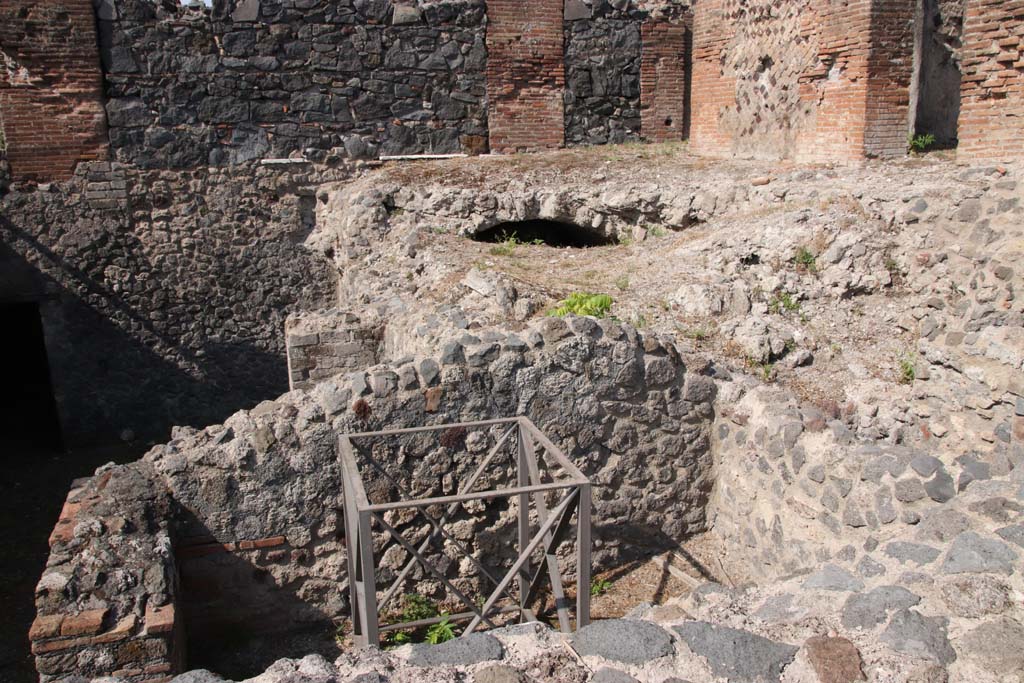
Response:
column 51, row 88
column 890, row 72
column 991, row 122
column 663, row 81
column 801, row 80
column 525, row 75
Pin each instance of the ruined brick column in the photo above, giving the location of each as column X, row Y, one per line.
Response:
column 525, row 75
column 991, row 124
column 51, row 94
column 793, row 79
column 663, row 80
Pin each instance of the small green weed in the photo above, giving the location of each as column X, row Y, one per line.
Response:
column 441, row 632
column 805, row 260
column 509, row 242
column 921, row 142
column 783, row 302
column 622, row 283
column 625, row 240
column 907, row 370
column 583, row 303
column 600, row 586
column 697, row 334
column 658, row 231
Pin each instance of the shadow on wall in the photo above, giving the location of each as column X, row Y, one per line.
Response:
column 242, row 613
column 110, row 382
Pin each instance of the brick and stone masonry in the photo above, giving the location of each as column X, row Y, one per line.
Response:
column 991, row 124
column 799, row 80
column 51, row 102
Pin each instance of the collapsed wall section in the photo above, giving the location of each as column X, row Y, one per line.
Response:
column 253, row 506
column 51, row 107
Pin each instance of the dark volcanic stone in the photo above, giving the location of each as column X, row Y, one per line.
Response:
column 471, row 649
column 623, row 640
column 737, row 655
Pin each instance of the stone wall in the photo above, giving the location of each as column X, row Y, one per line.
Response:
column 602, row 72
column 793, row 79
column 992, row 94
column 253, row 79
column 253, row 506
column 163, row 294
column 51, row 108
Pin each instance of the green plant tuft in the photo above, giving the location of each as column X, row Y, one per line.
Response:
column 622, row 283
column 805, row 260
column 583, row 303
column 783, row 302
column 907, row 370
column 599, row 586
column 441, row 632
column 920, row 142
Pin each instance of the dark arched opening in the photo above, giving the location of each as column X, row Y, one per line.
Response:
column 547, row 232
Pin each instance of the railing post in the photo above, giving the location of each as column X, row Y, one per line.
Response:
column 583, row 557
column 370, row 624
column 523, row 479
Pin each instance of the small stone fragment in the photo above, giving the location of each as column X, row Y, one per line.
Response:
column 835, row 660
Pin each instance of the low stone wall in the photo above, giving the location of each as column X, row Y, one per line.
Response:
column 106, row 602
column 253, row 506
column 188, row 275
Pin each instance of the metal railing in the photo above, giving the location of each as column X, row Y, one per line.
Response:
column 362, row 516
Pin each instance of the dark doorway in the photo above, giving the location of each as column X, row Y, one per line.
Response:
column 29, row 418
column 547, row 232
column 936, row 99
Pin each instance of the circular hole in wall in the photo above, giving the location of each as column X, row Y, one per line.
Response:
column 668, row 122
column 546, row 232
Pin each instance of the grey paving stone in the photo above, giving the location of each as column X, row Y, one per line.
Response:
column 996, row 646
column 867, row 610
column 911, row 552
column 833, row 578
column 609, row 675
column 940, row 488
column 623, row 640
column 1013, row 534
column 943, row 525
column 976, row 595
column 973, row 553
column 737, row 655
column 471, row 649
column 911, row 633
column 498, row 673
column 868, row 568
column 910, row 490
column 925, row 465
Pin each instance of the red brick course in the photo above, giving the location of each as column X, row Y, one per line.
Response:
column 663, row 81
column 525, row 75
column 991, row 124
column 51, row 102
